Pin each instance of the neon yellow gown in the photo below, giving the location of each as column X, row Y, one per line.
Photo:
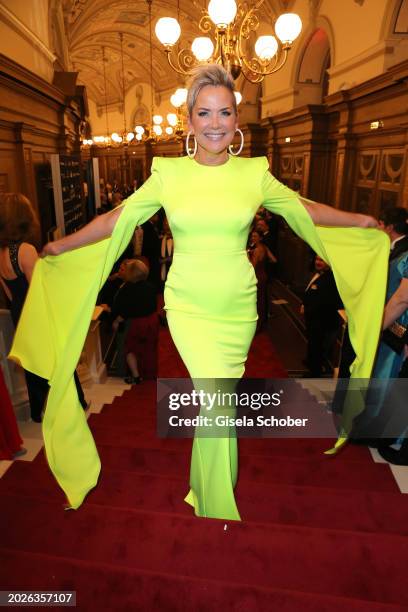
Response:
column 210, row 298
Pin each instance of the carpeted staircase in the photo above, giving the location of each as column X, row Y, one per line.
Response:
column 318, row 533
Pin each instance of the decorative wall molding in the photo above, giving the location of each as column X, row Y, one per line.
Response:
column 19, row 77
column 20, row 28
column 381, row 48
column 284, row 93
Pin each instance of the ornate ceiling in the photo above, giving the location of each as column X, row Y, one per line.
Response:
column 92, row 24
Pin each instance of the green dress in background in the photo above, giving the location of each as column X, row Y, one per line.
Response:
column 210, row 298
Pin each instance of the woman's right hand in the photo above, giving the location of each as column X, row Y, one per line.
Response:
column 51, row 248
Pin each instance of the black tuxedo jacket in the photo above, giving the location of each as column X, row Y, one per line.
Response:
column 400, row 247
column 321, row 302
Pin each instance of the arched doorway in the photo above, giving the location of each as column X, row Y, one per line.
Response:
column 312, row 79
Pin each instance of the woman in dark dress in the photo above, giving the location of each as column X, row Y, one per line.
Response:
column 259, row 255
column 136, row 301
column 18, row 256
column 10, row 439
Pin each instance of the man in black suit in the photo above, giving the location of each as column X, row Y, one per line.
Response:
column 268, row 238
column 394, row 222
column 321, row 302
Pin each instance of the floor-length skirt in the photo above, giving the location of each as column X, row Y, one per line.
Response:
column 214, row 353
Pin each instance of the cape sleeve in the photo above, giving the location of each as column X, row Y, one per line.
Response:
column 358, row 258
column 52, row 330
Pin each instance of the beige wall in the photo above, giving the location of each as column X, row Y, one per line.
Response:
column 24, row 35
column 360, row 46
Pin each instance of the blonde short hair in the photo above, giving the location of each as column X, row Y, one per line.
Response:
column 210, row 74
column 136, row 271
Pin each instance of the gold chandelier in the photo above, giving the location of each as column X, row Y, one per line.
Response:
column 155, row 131
column 231, row 26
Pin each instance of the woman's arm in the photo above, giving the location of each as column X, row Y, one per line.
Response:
column 100, row 227
column 6, row 289
column 322, row 214
column 397, row 304
column 27, row 258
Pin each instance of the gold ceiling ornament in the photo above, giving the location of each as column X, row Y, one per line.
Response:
column 232, row 27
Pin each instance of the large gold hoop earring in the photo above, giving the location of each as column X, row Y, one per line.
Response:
column 191, row 152
column 230, row 149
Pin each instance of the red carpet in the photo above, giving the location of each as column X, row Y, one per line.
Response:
column 318, row 533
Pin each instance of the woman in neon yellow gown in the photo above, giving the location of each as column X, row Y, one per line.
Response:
column 210, row 199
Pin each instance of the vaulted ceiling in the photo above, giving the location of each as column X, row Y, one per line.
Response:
column 93, row 24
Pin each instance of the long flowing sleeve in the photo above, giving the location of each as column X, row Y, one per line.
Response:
column 358, row 258
column 52, row 330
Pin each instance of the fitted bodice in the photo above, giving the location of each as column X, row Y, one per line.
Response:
column 209, row 210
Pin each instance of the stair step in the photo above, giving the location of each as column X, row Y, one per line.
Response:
column 278, row 503
column 274, row 554
column 139, row 589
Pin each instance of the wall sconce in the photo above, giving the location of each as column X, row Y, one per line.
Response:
column 375, row 125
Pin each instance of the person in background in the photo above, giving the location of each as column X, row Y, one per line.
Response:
column 166, row 251
column 151, row 249
column 10, row 439
column 18, row 256
column 321, row 302
column 394, row 222
column 109, row 194
column 117, row 199
column 390, row 408
column 136, row 300
column 263, row 228
column 260, row 256
column 393, row 365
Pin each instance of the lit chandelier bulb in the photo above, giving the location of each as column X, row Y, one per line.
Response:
column 203, row 48
column 238, row 97
column 288, row 27
column 157, row 119
column 139, row 129
column 172, row 119
column 168, row 31
column 175, row 101
column 139, row 136
column 130, row 136
column 179, row 97
column 266, row 47
column 169, row 130
column 181, row 93
column 222, row 12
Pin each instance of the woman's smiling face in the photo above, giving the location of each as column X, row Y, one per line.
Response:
column 213, row 123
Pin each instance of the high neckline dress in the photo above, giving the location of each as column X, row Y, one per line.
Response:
column 210, row 298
